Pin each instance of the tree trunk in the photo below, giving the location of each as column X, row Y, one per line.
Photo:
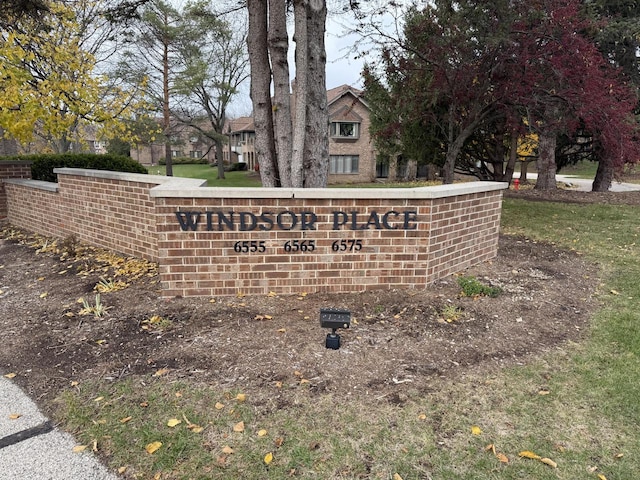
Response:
column 604, row 176
column 278, row 49
column 220, row 159
column 316, row 145
column 260, row 92
column 524, row 169
column 513, row 156
column 166, row 114
column 546, row 162
column 301, row 38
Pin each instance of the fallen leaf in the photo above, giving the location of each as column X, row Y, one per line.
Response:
column 221, row 460
column 618, row 455
column 422, row 416
column 528, row 454
column 502, row 457
column 238, row 427
column 227, row 449
column 278, row 384
column 303, row 381
column 490, row 448
column 272, row 294
column 213, row 300
column 75, row 383
column 282, row 330
column 162, row 371
column 10, row 375
column 396, row 477
column 544, row 392
column 262, row 433
column 79, row 448
column 219, row 406
column 121, row 470
column 173, row 422
column 15, row 416
column 476, row 430
column 95, row 446
column 278, row 442
column 615, row 292
column 178, row 394
column 44, row 295
column 602, row 477
column 144, row 404
column 125, row 419
column 268, row 317
column 153, row 447
column 268, row 458
column 549, row 462
column 241, row 397
column 196, row 428
column 98, row 399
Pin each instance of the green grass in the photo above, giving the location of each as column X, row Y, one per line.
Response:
column 210, row 174
column 589, row 416
column 582, row 169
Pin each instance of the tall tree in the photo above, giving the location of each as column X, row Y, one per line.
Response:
column 308, row 145
column 153, row 56
column 213, row 55
column 493, row 65
column 50, row 84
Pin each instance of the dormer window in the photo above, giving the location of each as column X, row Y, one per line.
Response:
column 345, row 129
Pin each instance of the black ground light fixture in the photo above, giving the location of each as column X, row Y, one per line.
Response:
column 334, row 319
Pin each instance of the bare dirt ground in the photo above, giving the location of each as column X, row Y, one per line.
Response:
column 399, row 341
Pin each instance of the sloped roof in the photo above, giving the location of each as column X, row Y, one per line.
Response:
column 336, row 93
column 240, row 124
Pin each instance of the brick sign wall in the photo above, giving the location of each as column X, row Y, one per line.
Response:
column 218, row 241
column 11, row 170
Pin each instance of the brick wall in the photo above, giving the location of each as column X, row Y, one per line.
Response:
column 11, row 170
column 216, row 241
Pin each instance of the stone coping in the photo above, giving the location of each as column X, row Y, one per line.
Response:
column 37, row 184
column 179, row 187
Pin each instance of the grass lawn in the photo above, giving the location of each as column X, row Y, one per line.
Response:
column 576, row 407
column 210, row 174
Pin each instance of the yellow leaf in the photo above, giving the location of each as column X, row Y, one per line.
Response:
column 227, row 449
column 490, row 448
column 213, row 300
column 98, row 399
column 549, row 462
column 40, row 279
column 162, row 371
column 278, row 384
column 396, row 477
column 282, row 330
column 238, row 427
column 75, row 383
column 272, row 294
column 268, row 317
column 121, row 470
column 528, row 454
column 219, row 406
column 241, row 397
column 153, row 447
column 268, row 458
column 43, row 295
column 79, row 448
column 95, row 446
column 544, row 392
column 422, row 416
column 10, row 375
column 196, row 428
column 476, row 430
column 125, row 419
column 262, row 433
column 173, row 422
column 615, row 292
column 15, row 416
column 602, row 477
column 502, row 457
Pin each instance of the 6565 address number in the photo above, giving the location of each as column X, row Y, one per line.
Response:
column 292, row 246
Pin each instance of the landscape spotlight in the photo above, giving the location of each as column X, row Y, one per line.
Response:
column 334, row 319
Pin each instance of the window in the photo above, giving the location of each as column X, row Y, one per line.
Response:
column 345, row 129
column 176, row 153
column 195, row 153
column 343, row 164
column 382, row 169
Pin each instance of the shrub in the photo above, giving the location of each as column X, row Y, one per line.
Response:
column 472, row 287
column 42, row 165
column 237, row 167
column 185, row 161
